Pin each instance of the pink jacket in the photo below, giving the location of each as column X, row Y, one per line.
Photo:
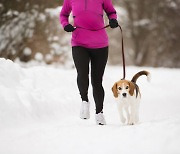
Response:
column 89, row 15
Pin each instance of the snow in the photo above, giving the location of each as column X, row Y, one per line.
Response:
column 38, row 56
column 13, row 32
column 53, row 11
column 27, row 51
column 39, row 113
column 142, row 22
column 48, row 57
column 56, row 48
column 122, row 14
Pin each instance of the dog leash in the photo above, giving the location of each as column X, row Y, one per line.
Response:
column 122, row 43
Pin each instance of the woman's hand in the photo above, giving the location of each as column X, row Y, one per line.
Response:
column 69, row 28
column 113, row 23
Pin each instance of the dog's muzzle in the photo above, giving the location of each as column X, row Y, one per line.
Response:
column 124, row 94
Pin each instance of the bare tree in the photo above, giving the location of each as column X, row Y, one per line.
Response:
column 22, row 24
column 153, row 26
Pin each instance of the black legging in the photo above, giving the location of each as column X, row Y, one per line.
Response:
column 98, row 57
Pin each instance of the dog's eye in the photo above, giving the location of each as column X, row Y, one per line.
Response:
column 120, row 88
column 127, row 87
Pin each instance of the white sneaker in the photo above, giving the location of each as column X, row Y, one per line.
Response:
column 100, row 120
column 84, row 110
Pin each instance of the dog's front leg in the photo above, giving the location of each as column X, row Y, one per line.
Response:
column 120, row 109
column 137, row 114
column 127, row 113
column 132, row 115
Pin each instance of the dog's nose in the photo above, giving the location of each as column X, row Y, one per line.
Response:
column 124, row 94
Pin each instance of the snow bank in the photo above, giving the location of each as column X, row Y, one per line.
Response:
column 31, row 94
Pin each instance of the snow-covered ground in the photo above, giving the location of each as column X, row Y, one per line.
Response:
column 39, row 113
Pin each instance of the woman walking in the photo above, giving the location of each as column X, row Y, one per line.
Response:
column 89, row 45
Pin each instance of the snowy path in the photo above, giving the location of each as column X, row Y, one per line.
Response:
column 39, row 113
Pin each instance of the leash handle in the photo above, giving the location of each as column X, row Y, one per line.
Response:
column 122, row 49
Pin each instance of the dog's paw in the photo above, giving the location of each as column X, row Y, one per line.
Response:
column 131, row 122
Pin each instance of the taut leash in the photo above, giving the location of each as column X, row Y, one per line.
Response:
column 122, row 42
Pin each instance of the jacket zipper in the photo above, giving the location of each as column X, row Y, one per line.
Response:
column 85, row 4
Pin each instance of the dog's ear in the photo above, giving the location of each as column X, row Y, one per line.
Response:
column 131, row 88
column 114, row 90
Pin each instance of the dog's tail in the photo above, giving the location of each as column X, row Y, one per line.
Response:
column 136, row 76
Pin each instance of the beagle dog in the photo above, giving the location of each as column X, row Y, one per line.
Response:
column 128, row 96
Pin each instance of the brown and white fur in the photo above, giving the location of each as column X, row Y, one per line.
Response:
column 128, row 97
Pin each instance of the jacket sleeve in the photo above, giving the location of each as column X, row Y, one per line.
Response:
column 109, row 9
column 64, row 14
